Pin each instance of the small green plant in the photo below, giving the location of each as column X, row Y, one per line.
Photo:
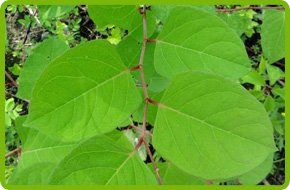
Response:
column 176, row 69
column 11, row 111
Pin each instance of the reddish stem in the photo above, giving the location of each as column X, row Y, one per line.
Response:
column 15, row 151
column 247, row 8
column 11, row 79
column 153, row 162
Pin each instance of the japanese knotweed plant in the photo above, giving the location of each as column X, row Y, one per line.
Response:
column 181, row 77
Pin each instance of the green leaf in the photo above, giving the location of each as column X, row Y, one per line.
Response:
column 133, row 138
column 105, row 159
column 119, row 15
column 152, row 109
column 86, row 91
column 36, row 63
column 171, row 175
column 9, row 105
column 278, row 91
column 35, row 174
column 154, row 81
column 278, row 123
column 237, row 21
column 21, row 130
column 8, row 120
column 217, row 130
column 193, row 39
column 258, row 94
column 262, row 65
column 38, row 151
column 256, row 175
column 274, row 73
column 162, row 11
column 273, row 35
column 269, row 104
column 15, row 69
column 13, row 114
column 124, row 16
column 49, row 12
column 254, row 78
column 129, row 50
column 115, row 36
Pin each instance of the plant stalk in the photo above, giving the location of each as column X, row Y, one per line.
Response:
column 11, row 79
column 156, row 169
column 15, row 151
column 143, row 82
column 146, row 96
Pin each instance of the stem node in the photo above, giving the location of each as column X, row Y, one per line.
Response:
column 152, row 40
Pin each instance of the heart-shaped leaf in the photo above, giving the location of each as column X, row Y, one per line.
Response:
column 211, row 127
column 86, row 91
column 193, row 39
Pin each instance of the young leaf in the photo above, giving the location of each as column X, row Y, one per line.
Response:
column 269, row 104
column 278, row 123
column 211, row 127
column 254, row 78
column 124, row 16
column 119, row 15
column 274, row 73
column 115, row 36
column 240, row 21
column 256, row 175
column 9, row 105
column 103, row 160
column 278, row 91
column 194, row 39
column 86, row 91
column 8, row 120
column 36, row 63
column 273, row 35
column 49, row 12
column 15, row 69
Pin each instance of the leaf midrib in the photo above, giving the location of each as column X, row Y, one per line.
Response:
column 120, row 167
column 49, row 147
column 82, row 94
column 160, row 105
column 199, row 52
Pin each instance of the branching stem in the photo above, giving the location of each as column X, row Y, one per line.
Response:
column 142, row 139
column 143, row 82
column 140, row 130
